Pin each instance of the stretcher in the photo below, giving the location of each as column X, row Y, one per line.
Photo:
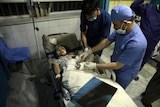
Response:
column 91, row 88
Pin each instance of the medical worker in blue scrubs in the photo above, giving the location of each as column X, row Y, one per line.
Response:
column 149, row 23
column 95, row 24
column 129, row 49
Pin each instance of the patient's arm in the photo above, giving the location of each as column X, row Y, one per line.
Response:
column 65, row 92
column 57, row 70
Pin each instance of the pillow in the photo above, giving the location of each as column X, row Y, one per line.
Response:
column 53, row 41
column 67, row 39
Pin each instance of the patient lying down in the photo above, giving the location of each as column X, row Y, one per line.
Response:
column 65, row 62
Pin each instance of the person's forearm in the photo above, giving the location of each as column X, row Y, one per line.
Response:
column 103, row 44
column 112, row 65
column 57, row 69
column 84, row 39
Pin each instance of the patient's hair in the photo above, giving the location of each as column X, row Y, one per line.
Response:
column 88, row 6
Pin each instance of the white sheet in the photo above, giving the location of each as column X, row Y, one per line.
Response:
column 75, row 79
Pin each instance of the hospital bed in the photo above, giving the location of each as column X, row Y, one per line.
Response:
column 87, row 88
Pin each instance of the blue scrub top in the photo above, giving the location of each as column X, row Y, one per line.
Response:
column 96, row 30
column 129, row 49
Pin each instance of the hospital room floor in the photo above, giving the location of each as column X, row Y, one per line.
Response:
column 39, row 92
column 28, row 91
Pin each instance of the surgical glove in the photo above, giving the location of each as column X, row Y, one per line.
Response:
column 78, row 59
column 86, row 54
column 90, row 65
column 86, row 49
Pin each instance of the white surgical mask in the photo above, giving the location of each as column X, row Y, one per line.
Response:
column 120, row 30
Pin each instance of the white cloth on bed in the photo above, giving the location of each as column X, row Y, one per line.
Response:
column 73, row 80
column 70, row 62
column 62, row 61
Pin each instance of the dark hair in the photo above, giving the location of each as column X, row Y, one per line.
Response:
column 88, row 6
column 132, row 18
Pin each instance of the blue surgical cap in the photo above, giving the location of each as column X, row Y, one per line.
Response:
column 121, row 12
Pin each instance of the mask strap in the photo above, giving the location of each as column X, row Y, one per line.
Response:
column 122, row 25
column 158, row 7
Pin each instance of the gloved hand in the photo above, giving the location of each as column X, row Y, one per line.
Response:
column 86, row 49
column 78, row 59
column 86, row 54
column 90, row 65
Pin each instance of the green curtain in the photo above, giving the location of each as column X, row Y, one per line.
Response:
column 154, row 1
column 104, row 4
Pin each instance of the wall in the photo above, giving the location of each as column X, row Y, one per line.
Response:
column 23, row 34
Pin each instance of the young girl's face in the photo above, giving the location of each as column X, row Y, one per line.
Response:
column 61, row 51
